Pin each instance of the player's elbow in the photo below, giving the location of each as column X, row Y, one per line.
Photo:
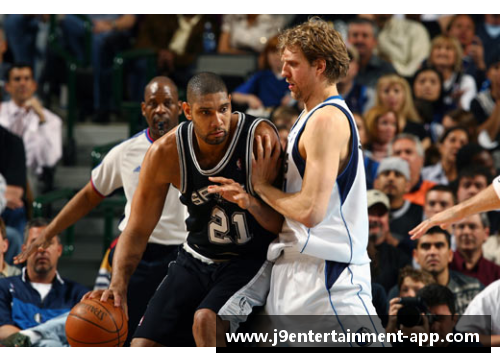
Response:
column 312, row 217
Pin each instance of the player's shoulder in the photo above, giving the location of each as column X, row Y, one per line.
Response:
column 166, row 146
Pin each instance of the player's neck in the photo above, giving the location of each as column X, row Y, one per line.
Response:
column 320, row 94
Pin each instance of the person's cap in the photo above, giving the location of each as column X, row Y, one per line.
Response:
column 493, row 60
column 377, row 197
column 394, row 164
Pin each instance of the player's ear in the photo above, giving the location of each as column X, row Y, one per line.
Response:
column 187, row 110
column 143, row 108
column 320, row 66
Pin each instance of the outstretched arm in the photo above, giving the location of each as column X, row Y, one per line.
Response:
column 79, row 206
column 486, row 200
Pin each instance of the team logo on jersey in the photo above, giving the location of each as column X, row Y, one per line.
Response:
column 363, row 342
column 201, row 196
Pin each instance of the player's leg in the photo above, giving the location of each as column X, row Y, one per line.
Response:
column 204, row 324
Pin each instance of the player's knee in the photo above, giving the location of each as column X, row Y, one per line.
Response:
column 144, row 342
column 204, row 319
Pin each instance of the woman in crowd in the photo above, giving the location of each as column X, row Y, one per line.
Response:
column 382, row 126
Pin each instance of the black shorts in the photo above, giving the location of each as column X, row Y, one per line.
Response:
column 191, row 285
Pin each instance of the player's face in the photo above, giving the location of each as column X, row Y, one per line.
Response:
column 386, row 127
column 410, row 287
column 469, row 187
column 392, row 183
column 452, row 144
column 161, row 108
column 392, row 96
column 427, row 86
column 407, row 150
column 437, row 201
column 299, row 74
column 42, row 262
column 211, row 116
column 470, row 234
column 21, row 85
column 433, row 253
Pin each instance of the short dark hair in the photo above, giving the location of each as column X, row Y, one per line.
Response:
column 365, row 21
column 442, row 188
column 36, row 223
column 453, row 129
column 204, row 83
column 472, row 171
column 437, row 230
column 19, row 66
column 435, row 294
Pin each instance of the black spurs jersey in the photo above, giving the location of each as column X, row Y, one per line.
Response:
column 219, row 229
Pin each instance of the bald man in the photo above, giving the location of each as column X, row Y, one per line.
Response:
column 120, row 168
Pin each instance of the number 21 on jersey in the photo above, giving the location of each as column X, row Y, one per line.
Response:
column 219, row 227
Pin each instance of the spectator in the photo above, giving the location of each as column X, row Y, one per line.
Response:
column 394, row 93
column 6, row 270
column 474, row 155
column 362, row 34
column 471, row 180
column 433, row 253
column 446, row 57
column 445, row 171
column 39, row 293
column 24, row 115
column 3, row 66
column 461, row 118
column 438, row 198
column 248, row 33
column 382, row 126
column 387, row 259
column 404, row 42
column 410, row 281
column 486, row 107
column 409, row 148
column 370, row 164
column 489, row 33
column 110, row 34
column 470, row 235
column 267, row 88
column 463, row 28
column 283, row 118
column 393, row 178
column 358, row 97
column 485, row 304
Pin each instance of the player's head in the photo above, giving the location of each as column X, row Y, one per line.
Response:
column 312, row 52
column 208, row 106
column 161, row 106
column 42, row 263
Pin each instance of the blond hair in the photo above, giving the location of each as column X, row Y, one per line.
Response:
column 318, row 40
column 446, row 39
column 408, row 110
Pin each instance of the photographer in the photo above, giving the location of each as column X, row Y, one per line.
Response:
column 438, row 315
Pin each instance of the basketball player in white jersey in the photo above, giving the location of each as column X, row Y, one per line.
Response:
column 322, row 266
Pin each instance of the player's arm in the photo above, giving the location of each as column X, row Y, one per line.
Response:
column 160, row 162
column 323, row 140
column 79, row 206
column 486, row 200
column 7, row 330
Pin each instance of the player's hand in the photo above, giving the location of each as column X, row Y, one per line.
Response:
column 41, row 243
column 231, row 191
column 443, row 219
column 265, row 161
column 118, row 295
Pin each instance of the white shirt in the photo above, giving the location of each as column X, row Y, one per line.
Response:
column 120, row 168
column 42, row 141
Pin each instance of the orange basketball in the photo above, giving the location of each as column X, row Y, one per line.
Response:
column 92, row 323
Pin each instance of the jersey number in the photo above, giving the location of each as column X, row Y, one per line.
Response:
column 218, row 228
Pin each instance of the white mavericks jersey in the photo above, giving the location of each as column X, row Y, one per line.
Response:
column 343, row 234
column 120, row 168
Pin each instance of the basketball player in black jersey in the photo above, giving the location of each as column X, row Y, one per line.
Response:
column 229, row 231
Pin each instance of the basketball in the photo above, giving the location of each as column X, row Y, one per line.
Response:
column 92, row 323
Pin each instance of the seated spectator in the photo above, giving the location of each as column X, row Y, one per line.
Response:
column 111, row 33
column 486, row 107
column 6, row 270
column 241, row 34
column 283, row 118
column 438, row 198
column 394, row 92
column 433, row 253
column 428, row 98
column 470, row 235
column 393, row 179
column 459, row 88
column 358, row 97
column 488, row 32
column 463, row 28
column 39, row 293
column 410, row 281
column 267, row 88
column 460, row 118
column 409, row 148
column 387, row 259
column 404, row 42
column 362, row 34
column 473, row 154
column 24, row 115
column 381, row 126
column 484, row 304
column 445, row 171
column 471, row 180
